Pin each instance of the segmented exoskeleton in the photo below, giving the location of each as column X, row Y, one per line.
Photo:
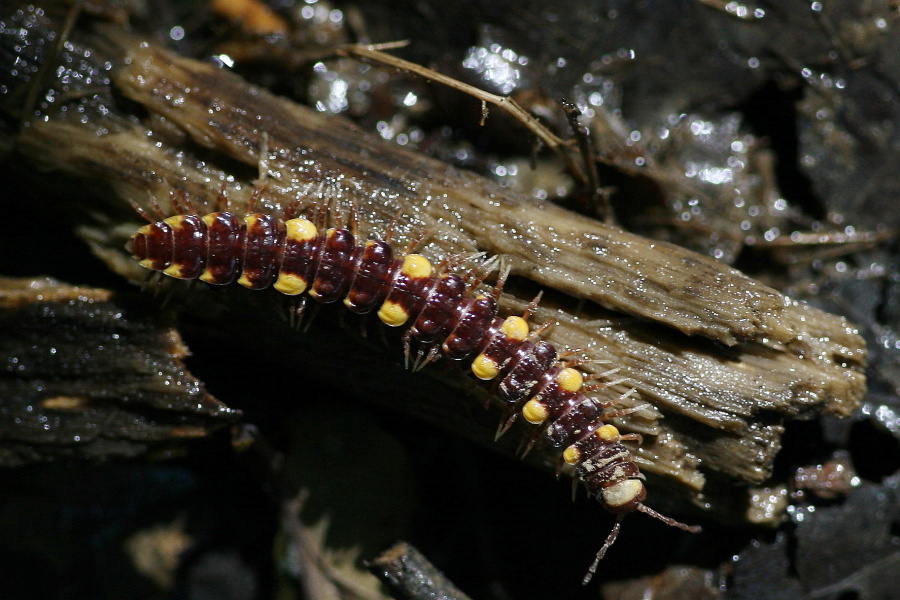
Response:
column 439, row 310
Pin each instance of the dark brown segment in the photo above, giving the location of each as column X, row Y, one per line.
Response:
column 225, row 249
column 189, row 247
column 582, row 415
column 301, row 258
column 159, row 246
column 262, row 251
column 440, row 308
column 410, row 293
column 558, row 401
column 526, row 371
column 372, row 278
column 335, row 266
column 600, row 456
column 547, row 392
column 606, row 465
column 469, row 335
column 137, row 246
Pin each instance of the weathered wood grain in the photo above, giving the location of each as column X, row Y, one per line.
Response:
column 721, row 360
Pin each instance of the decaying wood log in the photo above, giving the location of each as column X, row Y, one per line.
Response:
column 721, row 359
column 88, row 375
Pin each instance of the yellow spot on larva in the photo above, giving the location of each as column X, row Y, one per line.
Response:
column 608, row 433
column 416, row 266
column 571, row 455
column 207, row 276
column 145, row 230
column 209, row 219
column 392, row 314
column 569, row 380
column 250, row 220
column 515, row 328
column 174, row 270
column 300, row 230
column 146, row 263
column 534, row 412
column 484, row 368
column 175, row 221
column 290, row 284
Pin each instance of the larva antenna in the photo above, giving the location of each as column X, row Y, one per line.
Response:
column 669, row 520
column 610, row 540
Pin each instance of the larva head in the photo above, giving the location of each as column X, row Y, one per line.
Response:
column 623, row 496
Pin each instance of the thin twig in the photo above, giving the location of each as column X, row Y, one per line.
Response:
column 410, row 576
column 599, row 201
column 374, row 53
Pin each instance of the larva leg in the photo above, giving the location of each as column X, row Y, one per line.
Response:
column 455, row 260
column 157, row 208
column 434, row 353
column 222, row 203
column 501, row 281
column 262, row 159
column 354, row 218
column 615, row 414
column 337, row 216
column 255, row 195
column 143, row 213
column 392, row 227
column 416, row 241
column 529, row 310
column 312, row 314
column 291, row 211
column 506, row 421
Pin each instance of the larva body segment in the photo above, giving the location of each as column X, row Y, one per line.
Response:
column 436, row 309
column 225, row 235
column 263, row 250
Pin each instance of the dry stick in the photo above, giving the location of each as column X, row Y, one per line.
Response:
column 374, row 53
column 408, row 575
column 599, row 201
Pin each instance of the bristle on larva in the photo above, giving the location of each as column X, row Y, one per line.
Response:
column 439, row 310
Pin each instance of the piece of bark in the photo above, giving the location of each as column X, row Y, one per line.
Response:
column 410, row 576
column 721, row 359
column 87, row 375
